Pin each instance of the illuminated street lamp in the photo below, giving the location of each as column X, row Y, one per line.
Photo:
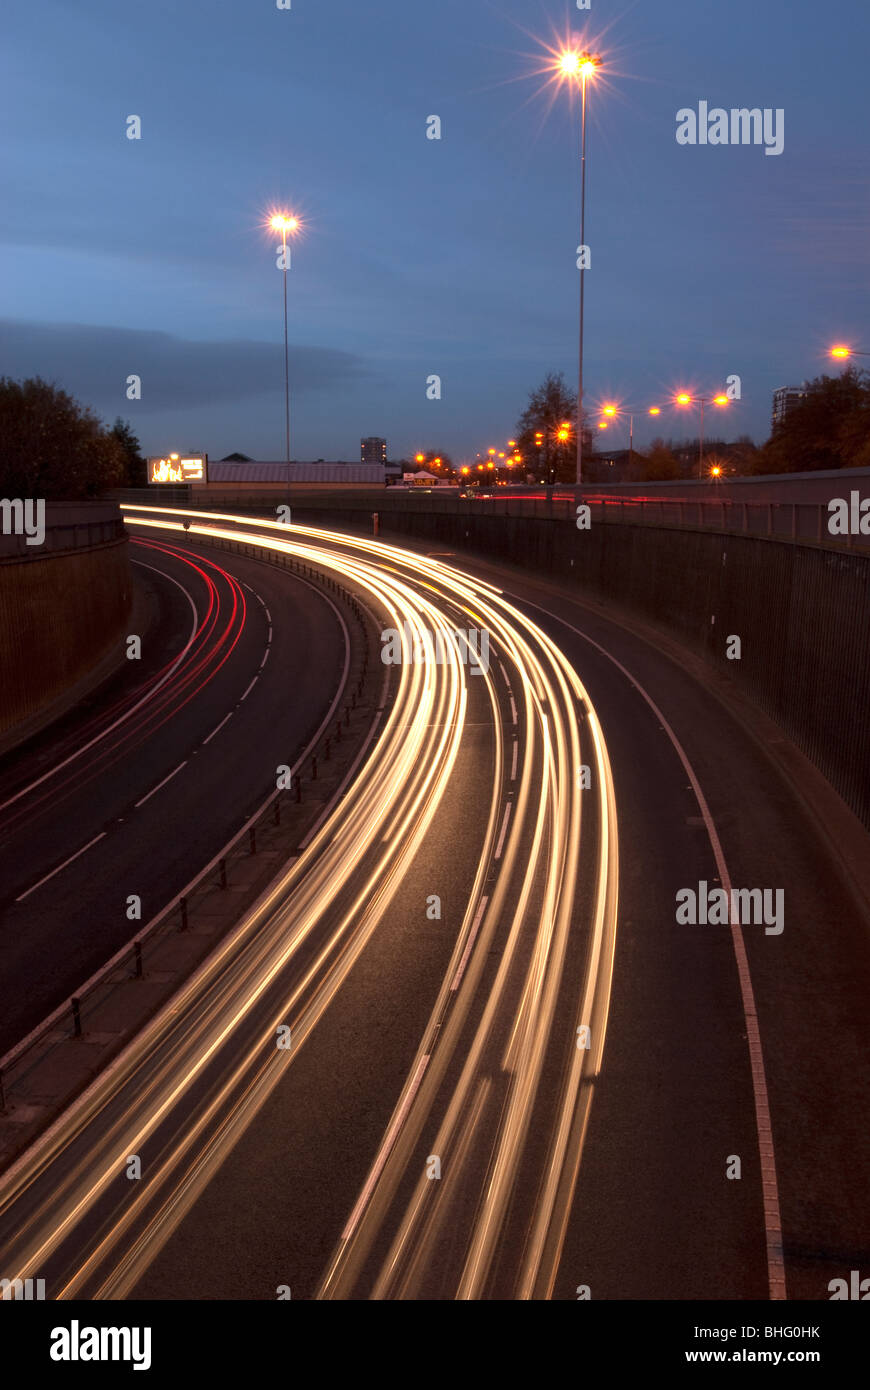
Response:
column 612, row 411
column 581, row 66
column 282, row 224
column 842, row 351
column 684, row 398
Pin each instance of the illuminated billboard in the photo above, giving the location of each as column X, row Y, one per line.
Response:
column 174, row 469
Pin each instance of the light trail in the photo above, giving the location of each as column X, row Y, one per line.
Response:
column 192, row 1081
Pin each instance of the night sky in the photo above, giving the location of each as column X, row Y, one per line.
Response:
column 454, row 257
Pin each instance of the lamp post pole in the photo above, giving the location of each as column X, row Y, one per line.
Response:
column 582, row 276
column 283, row 224
column 286, row 365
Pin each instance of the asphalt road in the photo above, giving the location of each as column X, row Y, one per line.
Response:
column 435, row 1131
column 173, row 754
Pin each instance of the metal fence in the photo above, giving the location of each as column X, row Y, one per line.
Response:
column 74, row 527
column 806, row 522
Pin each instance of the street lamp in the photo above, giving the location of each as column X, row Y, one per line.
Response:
column 581, row 66
column 612, row 410
column 842, row 351
column 684, row 398
column 282, row 224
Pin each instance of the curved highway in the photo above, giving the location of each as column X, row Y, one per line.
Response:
column 512, row 1073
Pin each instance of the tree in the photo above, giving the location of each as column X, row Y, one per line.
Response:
column 52, row 446
column 741, row 455
column 661, row 463
column 827, row 429
column 551, row 406
column 137, row 472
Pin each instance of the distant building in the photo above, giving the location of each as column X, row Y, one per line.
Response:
column 263, row 475
column 373, row 450
column 785, row 400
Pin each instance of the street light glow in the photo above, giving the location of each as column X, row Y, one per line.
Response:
column 284, row 224
column 841, row 351
column 684, row 398
column 654, row 410
column 720, row 400
column 610, row 410
column 582, row 65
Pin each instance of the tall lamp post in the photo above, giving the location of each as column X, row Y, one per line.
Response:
column 684, row 398
column 611, row 410
column 284, row 225
column 581, row 65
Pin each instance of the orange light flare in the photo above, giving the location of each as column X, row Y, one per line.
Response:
column 843, row 351
column 655, row 410
column 577, row 63
column 602, row 425
column 721, row 399
column 684, row 398
column 715, row 471
column 284, row 223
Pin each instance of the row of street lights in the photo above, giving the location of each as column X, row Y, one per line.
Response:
column 683, row 399
column 573, row 65
column 582, row 66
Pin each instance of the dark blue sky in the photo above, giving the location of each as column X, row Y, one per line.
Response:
column 453, row 257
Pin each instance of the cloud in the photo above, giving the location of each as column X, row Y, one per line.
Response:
column 93, row 362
